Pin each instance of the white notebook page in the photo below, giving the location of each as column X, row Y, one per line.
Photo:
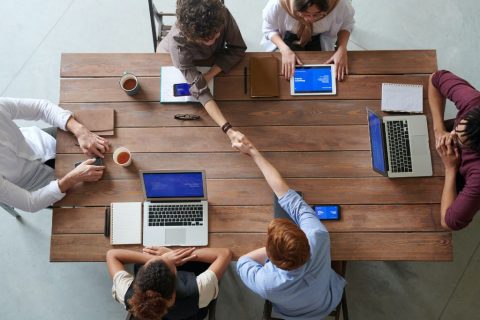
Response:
column 126, row 223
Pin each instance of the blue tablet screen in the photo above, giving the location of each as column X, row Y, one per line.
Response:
column 313, row 79
column 173, row 185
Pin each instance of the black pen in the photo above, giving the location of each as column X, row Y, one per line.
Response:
column 106, row 228
column 245, row 80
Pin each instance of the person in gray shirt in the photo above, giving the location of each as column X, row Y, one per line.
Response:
column 205, row 31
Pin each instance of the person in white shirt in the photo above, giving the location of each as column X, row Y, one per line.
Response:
column 26, row 182
column 295, row 25
column 165, row 285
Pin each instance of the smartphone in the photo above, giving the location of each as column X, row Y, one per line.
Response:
column 98, row 162
column 181, row 89
column 327, row 212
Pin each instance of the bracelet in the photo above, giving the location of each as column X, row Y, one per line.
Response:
column 227, row 126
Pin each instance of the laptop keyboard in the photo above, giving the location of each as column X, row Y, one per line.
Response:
column 399, row 145
column 175, row 215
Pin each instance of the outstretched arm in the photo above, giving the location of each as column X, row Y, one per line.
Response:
column 273, row 177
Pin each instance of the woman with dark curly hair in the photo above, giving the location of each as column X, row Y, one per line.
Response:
column 205, row 30
column 159, row 289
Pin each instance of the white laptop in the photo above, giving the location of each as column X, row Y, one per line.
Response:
column 399, row 145
column 175, row 212
column 313, row 79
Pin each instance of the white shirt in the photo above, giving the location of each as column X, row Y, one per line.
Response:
column 25, row 182
column 277, row 21
column 207, row 284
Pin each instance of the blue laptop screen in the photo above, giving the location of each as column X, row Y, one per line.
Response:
column 173, row 185
column 313, row 79
column 376, row 141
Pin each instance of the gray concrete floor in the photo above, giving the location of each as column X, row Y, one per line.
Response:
column 35, row 33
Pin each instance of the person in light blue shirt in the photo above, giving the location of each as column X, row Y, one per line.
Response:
column 293, row 270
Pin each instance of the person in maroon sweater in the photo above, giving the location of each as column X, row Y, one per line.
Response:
column 459, row 147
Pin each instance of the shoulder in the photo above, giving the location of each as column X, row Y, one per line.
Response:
column 273, row 7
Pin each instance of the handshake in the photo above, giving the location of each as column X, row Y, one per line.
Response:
column 241, row 143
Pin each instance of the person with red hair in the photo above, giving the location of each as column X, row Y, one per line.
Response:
column 293, row 271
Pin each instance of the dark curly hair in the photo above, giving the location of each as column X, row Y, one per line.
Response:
column 154, row 286
column 200, row 19
column 472, row 129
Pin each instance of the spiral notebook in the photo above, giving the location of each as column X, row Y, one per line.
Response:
column 126, row 223
column 398, row 97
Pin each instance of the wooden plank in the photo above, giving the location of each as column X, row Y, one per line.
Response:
column 245, row 113
column 148, row 64
column 238, row 219
column 78, row 220
column 355, row 87
column 226, row 88
column 256, row 191
column 206, row 139
column 339, row 164
column 425, row 246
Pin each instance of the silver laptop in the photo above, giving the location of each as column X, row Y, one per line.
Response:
column 175, row 212
column 399, row 145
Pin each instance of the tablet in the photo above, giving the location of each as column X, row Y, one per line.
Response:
column 313, row 79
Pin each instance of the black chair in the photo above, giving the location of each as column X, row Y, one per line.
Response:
column 197, row 268
column 159, row 27
column 340, row 267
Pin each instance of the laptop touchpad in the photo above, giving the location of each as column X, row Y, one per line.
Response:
column 419, row 145
column 175, row 236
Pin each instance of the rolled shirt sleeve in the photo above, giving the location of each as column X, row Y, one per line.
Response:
column 465, row 206
column 269, row 24
column 30, row 201
column 300, row 212
column 121, row 282
column 207, row 283
column 348, row 13
column 235, row 47
column 252, row 274
column 35, row 109
column 456, row 89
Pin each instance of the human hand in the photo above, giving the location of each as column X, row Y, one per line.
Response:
column 244, row 146
column 340, row 60
column 180, row 256
column 289, row 59
column 92, row 144
column 441, row 136
column 155, row 250
column 448, row 152
column 86, row 171
column 235, row 136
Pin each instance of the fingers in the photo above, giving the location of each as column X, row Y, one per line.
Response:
column 298, row 60
column 189, row 258
column 150, row 251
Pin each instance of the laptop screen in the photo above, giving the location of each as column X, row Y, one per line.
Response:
column 376, row 142
column 173, row 185
column 313, row 79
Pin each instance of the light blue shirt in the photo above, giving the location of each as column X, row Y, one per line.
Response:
column 309, row 292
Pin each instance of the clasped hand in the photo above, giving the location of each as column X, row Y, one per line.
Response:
column 447, row 150
column 177, row 256
column 92, row 144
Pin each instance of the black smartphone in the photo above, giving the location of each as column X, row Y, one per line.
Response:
column 327, row 211
column 98, row 162
column 181, row 89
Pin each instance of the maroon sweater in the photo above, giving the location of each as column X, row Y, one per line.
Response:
column 466, row 98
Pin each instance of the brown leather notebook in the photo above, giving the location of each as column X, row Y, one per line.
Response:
column 264, row 77
column 99, row 121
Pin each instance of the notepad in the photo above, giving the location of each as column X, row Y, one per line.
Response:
column 264, row 77
column 398, row 97
column 170, row 76
column 126, row 223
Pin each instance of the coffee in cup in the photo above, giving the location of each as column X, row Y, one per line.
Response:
column 122, row 156
column 129, row 83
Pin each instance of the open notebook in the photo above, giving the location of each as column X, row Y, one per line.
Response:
column 398, row 97
column 126, row 223
column 170, row 76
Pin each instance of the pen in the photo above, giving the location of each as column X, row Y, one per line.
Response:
column 245, row 80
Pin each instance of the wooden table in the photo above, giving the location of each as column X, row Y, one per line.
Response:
column 319, row 144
